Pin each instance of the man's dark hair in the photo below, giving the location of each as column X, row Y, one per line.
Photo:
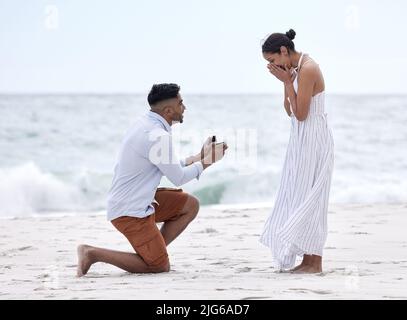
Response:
column 162, row 91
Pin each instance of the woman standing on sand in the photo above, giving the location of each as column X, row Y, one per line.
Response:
column 297, row 225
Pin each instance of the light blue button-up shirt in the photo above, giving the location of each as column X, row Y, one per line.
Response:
column 146, row 154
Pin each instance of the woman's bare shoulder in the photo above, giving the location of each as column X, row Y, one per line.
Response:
column 310, row 71
column 310, row 66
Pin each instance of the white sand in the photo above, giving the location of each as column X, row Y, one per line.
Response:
column 217, row 257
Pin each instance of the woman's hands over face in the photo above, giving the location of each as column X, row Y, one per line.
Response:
column 285, row 75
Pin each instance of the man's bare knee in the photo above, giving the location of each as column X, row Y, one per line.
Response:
column 162, row 267
column 191, row 206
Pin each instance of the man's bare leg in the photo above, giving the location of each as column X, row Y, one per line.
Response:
column 130, row 262
column 172, row 229
column 315, row 266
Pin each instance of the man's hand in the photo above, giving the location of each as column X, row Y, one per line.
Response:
column 206, row 148
column 213, row 152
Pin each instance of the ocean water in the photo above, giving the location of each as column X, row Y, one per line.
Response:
column 57, row 152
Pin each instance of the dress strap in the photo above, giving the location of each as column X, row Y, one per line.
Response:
column 299, row 62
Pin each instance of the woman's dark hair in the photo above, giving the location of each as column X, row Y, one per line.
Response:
column 162, row 91
column 277, row 40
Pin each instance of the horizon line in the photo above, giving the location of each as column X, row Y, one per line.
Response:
column 124, row 93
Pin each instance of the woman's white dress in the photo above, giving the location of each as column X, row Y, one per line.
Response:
column 297, row 224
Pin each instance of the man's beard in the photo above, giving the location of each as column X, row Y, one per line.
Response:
column 180, row 119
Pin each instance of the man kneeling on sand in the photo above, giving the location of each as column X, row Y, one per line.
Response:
column 135, row 204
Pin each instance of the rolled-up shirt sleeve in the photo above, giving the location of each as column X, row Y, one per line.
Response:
column 161, row 155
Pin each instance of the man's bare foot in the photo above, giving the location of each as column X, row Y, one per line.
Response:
column 84, row 261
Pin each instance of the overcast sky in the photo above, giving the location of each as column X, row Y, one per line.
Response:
column 209, row 46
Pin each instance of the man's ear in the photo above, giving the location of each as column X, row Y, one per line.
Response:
column 167, row 110
column 283, row 51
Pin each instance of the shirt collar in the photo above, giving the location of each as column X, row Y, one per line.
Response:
column 156, row 116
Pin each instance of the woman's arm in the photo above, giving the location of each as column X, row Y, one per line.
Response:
column 300, row 102
column 286, row 101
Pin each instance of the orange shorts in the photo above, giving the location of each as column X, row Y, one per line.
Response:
column 143, row 233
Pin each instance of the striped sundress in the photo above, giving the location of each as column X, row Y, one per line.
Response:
column 297, row 224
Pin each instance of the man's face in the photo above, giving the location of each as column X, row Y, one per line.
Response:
column 176, row 109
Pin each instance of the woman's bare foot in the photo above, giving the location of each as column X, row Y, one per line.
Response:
column 84, row 261
column 302, row 265
column 306, row 260
column 313, row 265
column 308, row 269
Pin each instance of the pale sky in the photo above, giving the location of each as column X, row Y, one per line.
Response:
column 211, row 46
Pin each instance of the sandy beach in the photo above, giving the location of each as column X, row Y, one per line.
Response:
column 218, row 257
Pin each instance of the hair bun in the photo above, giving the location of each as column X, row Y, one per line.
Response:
column 290, row 34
